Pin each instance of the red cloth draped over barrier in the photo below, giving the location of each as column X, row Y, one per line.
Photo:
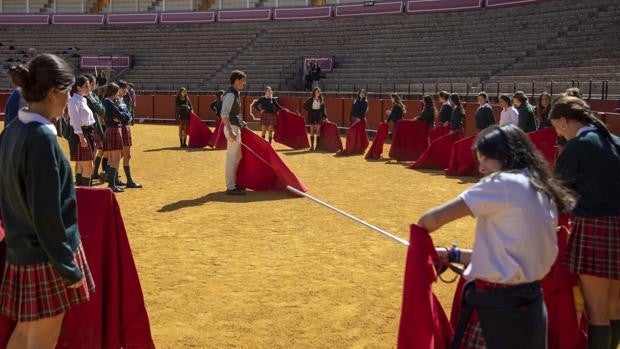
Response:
column 330, row 138
column 437, row 132
column 115, row 316
column 437, row 155
column 423, row 322
column 218, row 140
column 545, row 141
column 377, row 144
column 357, row 139
column 261, row 168
column 462, row 161
column 199, row 133
column 291, row 130
column 410, row 140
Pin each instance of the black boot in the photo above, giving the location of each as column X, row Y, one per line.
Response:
column 95, row 174
column 599, row 337
column 87, row 181
column 119, row 183
column 112, row 180
column 181, row 144
column 104, row 168
column 130, row 182
column 270, row 139
column 615, row 334
column 311, row 143
column 318, row 143
column 78, row 179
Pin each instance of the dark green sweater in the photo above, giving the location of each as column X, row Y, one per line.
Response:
column 428, row 116
column 37, row 199
column 527, row 119
column 590, row 166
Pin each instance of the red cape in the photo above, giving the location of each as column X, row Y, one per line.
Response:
column 218, row 140
column 410, row 140
column 545, row 141
column 423, row 322
column 437, row 132
column 115, row 316
column 357, row 139
column 437, row 155
column 330, row 138
column 261, row 168
column 199, row 133
column 291, row 130
column 377, row 144
column 462, row 161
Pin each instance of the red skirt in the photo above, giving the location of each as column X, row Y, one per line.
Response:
column 113, row 139
column 472, row 337
column 268, row 119
column 126, row 132
column 36, row 291
column 594, row 247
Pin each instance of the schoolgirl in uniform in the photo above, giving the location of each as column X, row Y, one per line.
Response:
column 83, row 123
column 268, row 107
column 458, row 113
column 590, row 165
column 359, row 109
column 428, row 112
column 445, row 113
column 315, row 106
column 46, row 272
column 397, row 112
column 527, row 119
column 113, row 140
column 126, row 133
column 95, row 105
column 516, row 207
column 216, row 106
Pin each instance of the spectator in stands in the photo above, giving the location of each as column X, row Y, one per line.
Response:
column 542, row 110
column 484, row 113
column 516, row 206
column 429, row 112
column 95, row 104
column 268, row 107
column 509, row 115
column 14, row 103
column 113, row 139
column 395, row 113
column 182, row 107
column 315, row 106
column 127, row 139
column 590, row 166
column 458, row 113
column 316, row 74
column 308, row 75
column 445, row 113
column 216, row 105
column 46, row 272
column 527, row 119
column 101, row 79
column 359, row 108
column 233, row 122
column 82, row 120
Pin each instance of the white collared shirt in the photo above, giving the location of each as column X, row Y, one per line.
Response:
column 509, row 115
column 27, row 117
column 79, row 113
column 585, row 129
column 316, row 104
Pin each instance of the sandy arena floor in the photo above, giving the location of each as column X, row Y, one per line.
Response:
column 269, row 270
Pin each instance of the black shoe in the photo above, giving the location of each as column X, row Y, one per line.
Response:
column 119, row 183
column 241, row 188
column 235, row 191
column 117, row 189
column 95, row 176
column 133, row 185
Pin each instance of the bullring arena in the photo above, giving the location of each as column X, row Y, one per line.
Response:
column 271, row 269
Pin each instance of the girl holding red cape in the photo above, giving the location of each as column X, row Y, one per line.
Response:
column 315, row 106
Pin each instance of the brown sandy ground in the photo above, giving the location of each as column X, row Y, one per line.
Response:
column 269, row 270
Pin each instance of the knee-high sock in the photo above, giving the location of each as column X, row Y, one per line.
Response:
column 615, row 334
column 599, row 337
column 97, row 163
column 111, row 176
column 104, row 164
column 78, row 179
column 87, row 182
column 128, row 174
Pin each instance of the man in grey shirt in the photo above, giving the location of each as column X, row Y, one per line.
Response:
column 233, row 122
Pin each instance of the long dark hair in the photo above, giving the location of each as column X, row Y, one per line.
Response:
column 398, row 101
column 320, row 93
column 456, row 99
column 79, row 82
column 513, row 148
column 179, row 97
column 573, row 108
column 428, row 103
column 359, row 92
column 111, row 90
column 41, row 74
column 543, row 112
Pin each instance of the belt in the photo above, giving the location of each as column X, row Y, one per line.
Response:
column 482, row 285
column 88, row 128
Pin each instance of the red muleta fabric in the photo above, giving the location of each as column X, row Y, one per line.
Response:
column 410, row 140
column 218, row 140
column 462, row 161
column 437, row 132
column 199, row 133
column 330, row 138
column 423, row 322
column 261, row 168
column 545, row 141
column 291, row 130
column 115, row 317
column 377, row 144
column 357, row 139
column 437, row 155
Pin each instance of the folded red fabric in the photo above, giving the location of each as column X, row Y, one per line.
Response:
column 545, row 141
column 437, row 132
column 462, row 161
column 437, row 155
column 199, row 133
column 218, row 140
column 410, row 140
column 330, row 138
column 377, row 144
column 291, row 130
column 423, row 322
column 261, row 168
column 357, row 139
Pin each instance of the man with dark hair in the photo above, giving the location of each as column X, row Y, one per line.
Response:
column 233, row 122
column 484, row 113
column 446, row 109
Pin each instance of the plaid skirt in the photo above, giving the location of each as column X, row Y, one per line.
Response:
column 268, row 119
column 594, row 247
column 83, row 153
column 472, row 337
column 36, row 291
column 126, row 132
column 113, row 139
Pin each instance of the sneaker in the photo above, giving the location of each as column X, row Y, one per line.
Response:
column 235, row 191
